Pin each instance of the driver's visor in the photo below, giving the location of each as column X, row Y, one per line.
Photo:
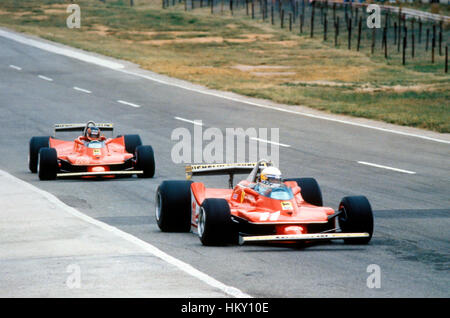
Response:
column 273, row 179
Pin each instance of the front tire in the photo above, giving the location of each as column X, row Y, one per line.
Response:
column 310, row 190
column 356, row 216
column 47, row 164
column 173, row 206
column 215, row 226
column 145, row 161
column 36, row 143
column 132, row 142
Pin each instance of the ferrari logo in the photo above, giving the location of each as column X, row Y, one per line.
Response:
column 286, row 205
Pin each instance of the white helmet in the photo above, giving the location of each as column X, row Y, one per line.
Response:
column 271, row 175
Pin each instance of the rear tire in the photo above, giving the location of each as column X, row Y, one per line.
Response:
column 47, row 164
column 36, row 143
column 145, row 161
column 357, row 216
column 310, row 190
column 173, row 206
column 132, row 142
column 215, row 226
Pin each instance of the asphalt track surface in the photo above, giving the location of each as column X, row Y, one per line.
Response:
column 412, row 210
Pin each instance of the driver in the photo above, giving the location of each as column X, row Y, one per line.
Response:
column 93, row 133
column 269, row 178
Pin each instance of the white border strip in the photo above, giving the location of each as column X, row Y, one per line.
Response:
column 119, row 67
column 229, row 290
column 61, row 51
column 385, row 167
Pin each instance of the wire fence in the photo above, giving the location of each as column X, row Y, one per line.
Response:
column 411, row 38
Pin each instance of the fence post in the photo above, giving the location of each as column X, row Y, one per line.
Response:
column 446, row 58
column 290, row 21
column 359, row 34
column 312, row 18
column 395, row 33
column 336, row 31
column 404, row 51
column 385, row 43
column 372, row 47
column 253, row 9
column 349, row 28
column 420, row 30
column 301, row 23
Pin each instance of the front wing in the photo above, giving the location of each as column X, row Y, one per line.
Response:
column 97, row 174
column 300, row 237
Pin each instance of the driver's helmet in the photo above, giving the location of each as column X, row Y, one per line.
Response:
column 271, row 176
column 93, row 133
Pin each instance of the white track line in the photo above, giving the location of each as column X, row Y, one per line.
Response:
column 69, row 52
column 195, row 122
column 229, row 290
column 45, row 78
column 82, row 90
column 15, row 67
column 128, row 103
column 285, row 110
column 270, row 142
column 385, row 167
column 119, row 67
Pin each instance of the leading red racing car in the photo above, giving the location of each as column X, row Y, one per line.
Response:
column 90, row 154
column 261, row 208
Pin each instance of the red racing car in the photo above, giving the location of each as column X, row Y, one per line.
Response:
column 90, row 155
column 255, row 211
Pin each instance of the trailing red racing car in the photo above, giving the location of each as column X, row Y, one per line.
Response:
column 262, row 208
column 90, row 155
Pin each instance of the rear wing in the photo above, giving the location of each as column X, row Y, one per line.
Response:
column 229, row 169
column 81, row 127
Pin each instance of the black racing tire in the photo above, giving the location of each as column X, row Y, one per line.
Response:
column 310, row 190
column 357, row 217
column 36, row 143
column 215, row 227
column 131, row 142
column 47, row 164
column 173, row 206
column 145, row 161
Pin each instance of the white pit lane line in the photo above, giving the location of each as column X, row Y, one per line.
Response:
column 386, row 167
column 45, row 78
column 82, row 90
column 128, row 103
column 189, row 269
